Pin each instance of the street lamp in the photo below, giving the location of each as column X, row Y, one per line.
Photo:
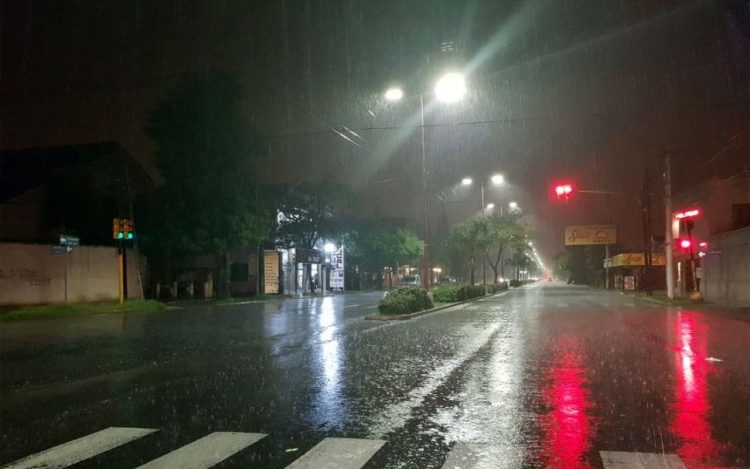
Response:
column 466, row 181
column 490, row 206
column 394, row 94
column 513, row 205
column 450, row 88
column 497, row 179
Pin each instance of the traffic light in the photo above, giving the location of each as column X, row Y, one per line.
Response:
column 123, row 228
column 127, row 228
column 117, row 232
column 564, row 190
column 684, row 243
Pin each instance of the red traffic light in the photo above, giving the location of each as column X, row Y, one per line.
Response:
column 685, row 243
column 563, row 190
column 692, row 213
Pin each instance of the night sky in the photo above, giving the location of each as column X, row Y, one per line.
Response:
column 597, row 91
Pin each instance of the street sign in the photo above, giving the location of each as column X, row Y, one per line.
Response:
column 69, row 241
column 586, row 235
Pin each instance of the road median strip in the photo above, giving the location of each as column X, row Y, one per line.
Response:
column 403, row 317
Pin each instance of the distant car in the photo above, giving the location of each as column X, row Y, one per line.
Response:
column 411, row 281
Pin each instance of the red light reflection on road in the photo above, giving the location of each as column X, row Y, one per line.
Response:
column 567, row 427
column 692, row 407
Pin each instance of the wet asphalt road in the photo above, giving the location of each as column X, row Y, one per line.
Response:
column 543, row 376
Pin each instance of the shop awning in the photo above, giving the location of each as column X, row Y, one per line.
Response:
column 633, row 259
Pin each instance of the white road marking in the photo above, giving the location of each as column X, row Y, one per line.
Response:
column 625, row 460
column 396, row 414
column 80, row 449
column 338, row 453
column 206, row 452
column 479, row 456
column 351, row 306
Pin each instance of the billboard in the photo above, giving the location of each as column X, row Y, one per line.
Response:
column 337, row 274
column 586, row 235
column 271, row 272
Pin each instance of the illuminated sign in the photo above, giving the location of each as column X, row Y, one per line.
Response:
column 692, row 213
column 585, row 235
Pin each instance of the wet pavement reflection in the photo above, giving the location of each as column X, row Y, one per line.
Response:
column 543, row 376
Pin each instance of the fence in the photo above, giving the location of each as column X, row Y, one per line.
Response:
column 726, row 268
column 32, row 274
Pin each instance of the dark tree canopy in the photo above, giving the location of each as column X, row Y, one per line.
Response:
column 207, row 156
column 311, row 211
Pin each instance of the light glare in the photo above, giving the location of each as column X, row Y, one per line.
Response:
column 450, row 88
column 466, row 181
column 394, row 94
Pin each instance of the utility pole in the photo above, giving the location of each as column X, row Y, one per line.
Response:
column 607, row 221
column 425, row 260
column 484, row 261
column 668, row 239
column 646, row 213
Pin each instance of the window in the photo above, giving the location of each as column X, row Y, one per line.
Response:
column 239, row 272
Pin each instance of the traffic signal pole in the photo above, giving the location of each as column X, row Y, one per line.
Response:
column 668, row 236
column 120, row 270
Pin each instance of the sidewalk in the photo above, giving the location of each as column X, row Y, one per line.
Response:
column 661, row 298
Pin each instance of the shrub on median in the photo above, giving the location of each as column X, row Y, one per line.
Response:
column 452, row 293
column 497, row 287
column 405, row 300
column 515, row 283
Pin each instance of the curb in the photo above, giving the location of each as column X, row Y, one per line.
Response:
column 403, row 317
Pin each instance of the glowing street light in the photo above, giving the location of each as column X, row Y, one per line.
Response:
column 466, row 181
column 497, row 179
column 490, row 206
column 450, row 88
column 513, row 205
column 329, row 247
column 394, row 94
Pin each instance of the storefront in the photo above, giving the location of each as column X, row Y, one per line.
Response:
column 627, row 271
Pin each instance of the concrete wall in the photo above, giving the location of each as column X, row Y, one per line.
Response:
column 726, row 268
column 31, row 274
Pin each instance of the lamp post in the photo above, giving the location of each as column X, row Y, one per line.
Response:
column 450, row 88
column 496, row 179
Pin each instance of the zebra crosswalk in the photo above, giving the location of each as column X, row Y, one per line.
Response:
column 81, row 449
column 330, row 453
column 203, row 453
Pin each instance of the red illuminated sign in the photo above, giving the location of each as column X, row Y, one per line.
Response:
column 692, row 213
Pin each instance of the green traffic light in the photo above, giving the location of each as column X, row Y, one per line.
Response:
column 120, row 235
column 130, row 236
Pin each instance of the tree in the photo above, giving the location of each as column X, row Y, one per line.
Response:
column 207, row 155
column 504, row 231
column 309, row 212
column 382, row 243
column 469, row 240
